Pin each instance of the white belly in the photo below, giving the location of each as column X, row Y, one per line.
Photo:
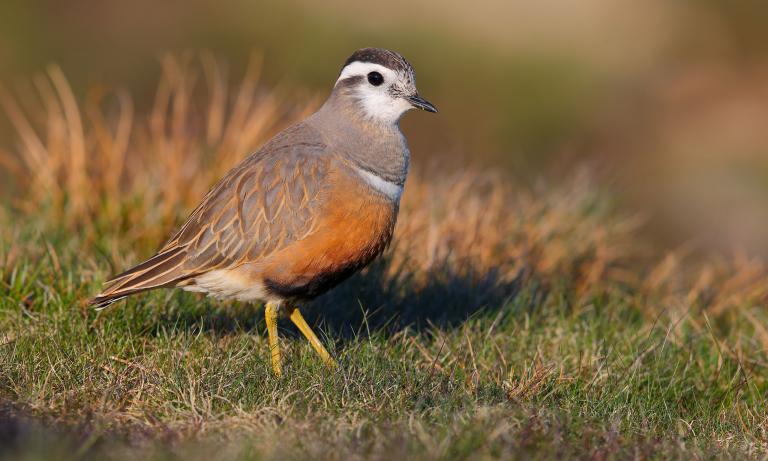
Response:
column 228, row 284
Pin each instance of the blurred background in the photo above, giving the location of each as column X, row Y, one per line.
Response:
column 663, row 103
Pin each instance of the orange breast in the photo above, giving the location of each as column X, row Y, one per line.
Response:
column 355, row 225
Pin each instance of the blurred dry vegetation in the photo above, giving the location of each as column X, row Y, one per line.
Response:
column 118, row 183
column 664, row 103
column 98, row 183
column 609, row 150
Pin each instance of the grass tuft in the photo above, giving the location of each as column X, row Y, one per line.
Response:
column 503, row 322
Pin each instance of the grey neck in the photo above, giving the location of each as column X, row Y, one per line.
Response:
column 380, row 149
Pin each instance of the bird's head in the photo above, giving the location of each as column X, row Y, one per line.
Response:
column 381, row 84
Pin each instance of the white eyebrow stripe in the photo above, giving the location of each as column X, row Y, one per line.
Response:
column 391, row 190
column 363, row 68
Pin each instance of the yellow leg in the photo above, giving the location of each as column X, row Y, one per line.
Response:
column 271, row 311
column 299, row 321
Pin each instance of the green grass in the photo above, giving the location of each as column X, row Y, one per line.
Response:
column 503, row 322
column 535, row 373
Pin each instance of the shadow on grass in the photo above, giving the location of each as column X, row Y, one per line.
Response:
column 373, row 301
column 377, row 302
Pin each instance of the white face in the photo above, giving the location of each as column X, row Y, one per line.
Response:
column 385, row 102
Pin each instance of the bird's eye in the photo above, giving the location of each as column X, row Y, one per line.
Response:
column 375, row 78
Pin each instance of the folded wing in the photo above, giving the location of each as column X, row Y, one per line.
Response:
column 265, row 203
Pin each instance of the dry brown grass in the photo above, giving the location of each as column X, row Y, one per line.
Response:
column 584, row 318
column 102, row 171
column 98, row 166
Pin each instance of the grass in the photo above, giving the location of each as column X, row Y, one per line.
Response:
column 502, row 323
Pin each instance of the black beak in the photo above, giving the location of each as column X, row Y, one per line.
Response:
column 421, row 103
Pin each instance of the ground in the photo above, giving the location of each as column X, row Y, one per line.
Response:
column 506, row 321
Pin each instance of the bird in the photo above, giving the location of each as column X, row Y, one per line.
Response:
column 315, row 204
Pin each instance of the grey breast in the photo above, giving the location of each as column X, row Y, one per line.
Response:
column 379, row 149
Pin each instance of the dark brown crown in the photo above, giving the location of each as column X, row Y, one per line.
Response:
column 386, row 58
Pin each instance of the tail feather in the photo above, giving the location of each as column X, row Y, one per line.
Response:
column 162, row 270
column 145, row 266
